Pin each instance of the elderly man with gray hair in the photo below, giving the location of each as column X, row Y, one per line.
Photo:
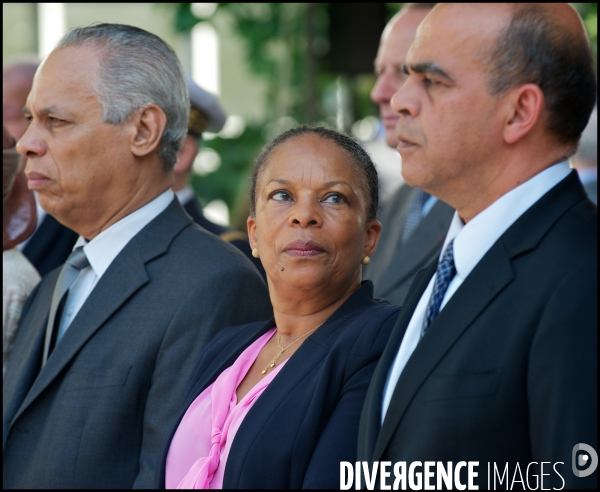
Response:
column 106, row 343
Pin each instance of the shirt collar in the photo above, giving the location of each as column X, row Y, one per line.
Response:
column 104, row 248
column 474, row 239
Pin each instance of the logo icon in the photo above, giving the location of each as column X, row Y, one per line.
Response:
column 584, row 456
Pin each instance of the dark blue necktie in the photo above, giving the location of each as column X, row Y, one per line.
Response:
column 445, row 273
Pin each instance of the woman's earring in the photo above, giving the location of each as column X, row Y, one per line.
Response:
column 366, row 260
column 256, row 254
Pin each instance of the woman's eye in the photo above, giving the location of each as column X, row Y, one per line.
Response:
column 334, row 198
column 280, row 196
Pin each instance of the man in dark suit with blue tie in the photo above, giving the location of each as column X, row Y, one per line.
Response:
column 493, row 358
column 106, row 344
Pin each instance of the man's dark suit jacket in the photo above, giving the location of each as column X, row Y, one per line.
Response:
column 237, row 238
column 394, row 265
column 50, row 245
column 306, row 421
column 97, row 413
column 507, row 370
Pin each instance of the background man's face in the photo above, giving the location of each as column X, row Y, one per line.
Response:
column 16, row 85
column 76, row 162
column 395, row 42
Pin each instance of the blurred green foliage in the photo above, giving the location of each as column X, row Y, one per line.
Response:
column 231, row 182
column 589, row 14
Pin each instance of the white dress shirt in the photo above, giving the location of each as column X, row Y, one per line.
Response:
column 103, row 249
column 471, row 242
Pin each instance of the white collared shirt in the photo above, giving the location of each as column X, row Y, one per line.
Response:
column 471, row 242
column 103, row 249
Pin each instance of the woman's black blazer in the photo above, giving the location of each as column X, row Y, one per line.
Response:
column 306, row 421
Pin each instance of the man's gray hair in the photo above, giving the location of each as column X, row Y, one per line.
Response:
column 137, row 69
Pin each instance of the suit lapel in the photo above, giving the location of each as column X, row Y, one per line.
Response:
column 484, row 283
column 489, row 277
column 125, row 275
column 27, row 368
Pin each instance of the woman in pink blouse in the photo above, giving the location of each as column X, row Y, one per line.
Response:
column 277, row 404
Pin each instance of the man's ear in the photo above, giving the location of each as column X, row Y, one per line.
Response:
column 149, row 126
column 251, row 223
column 525, row 104
column 186, row 155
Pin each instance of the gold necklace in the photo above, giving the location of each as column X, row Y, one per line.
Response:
column 283, row 349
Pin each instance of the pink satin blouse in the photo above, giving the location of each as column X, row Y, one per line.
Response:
column 201, row 444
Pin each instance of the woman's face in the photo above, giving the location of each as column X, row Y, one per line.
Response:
column 310, row 225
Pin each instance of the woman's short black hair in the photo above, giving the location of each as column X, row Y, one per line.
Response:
column 358, row 156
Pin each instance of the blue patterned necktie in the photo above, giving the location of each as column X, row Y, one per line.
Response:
column 76, row 262
column 414, row 214
column 445, row 273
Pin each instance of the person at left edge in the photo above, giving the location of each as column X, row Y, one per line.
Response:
column 277, row 404
column 206, row 114
column 19, row 276
column 97, row 375
column 51, row 242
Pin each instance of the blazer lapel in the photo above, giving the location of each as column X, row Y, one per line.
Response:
column 206, row 375
column 295, row 370
column 125, row 275
column 298, row 367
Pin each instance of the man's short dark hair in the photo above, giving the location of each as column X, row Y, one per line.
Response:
column 535, row 48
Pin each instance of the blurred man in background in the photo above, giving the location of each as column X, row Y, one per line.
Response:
column 52, row 242
column 206, row 114
column 414, row 222
column 586, row 158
